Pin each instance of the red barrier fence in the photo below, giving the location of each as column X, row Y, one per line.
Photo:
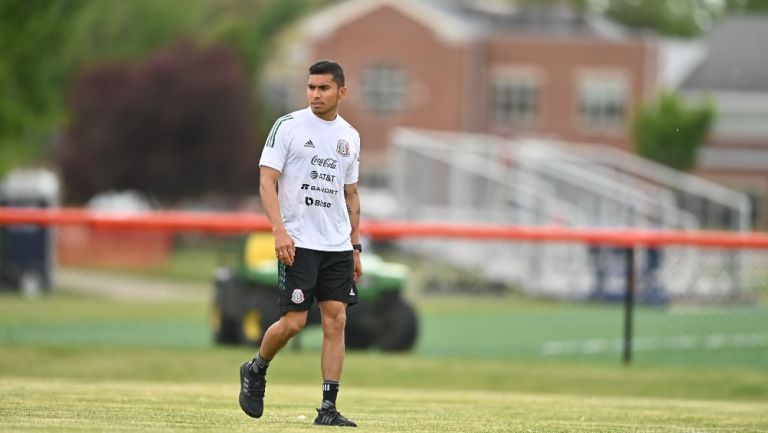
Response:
column 231, row 223
column 93, row 249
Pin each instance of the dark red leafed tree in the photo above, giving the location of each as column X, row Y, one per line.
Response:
column 177, row 126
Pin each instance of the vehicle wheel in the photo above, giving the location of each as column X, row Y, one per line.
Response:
column 398, row 327
column 358, row 336
column 225, row 329
column 225, row 321
column 260, row 312
column 252, row 327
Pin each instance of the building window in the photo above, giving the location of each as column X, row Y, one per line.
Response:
column 384, row 89
column 515, row 101
column 602, row 102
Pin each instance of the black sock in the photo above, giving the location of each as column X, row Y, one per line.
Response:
column 259, row 365
column 330, row 390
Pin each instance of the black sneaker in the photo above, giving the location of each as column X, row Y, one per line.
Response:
column 252, row 388
column 328, row 415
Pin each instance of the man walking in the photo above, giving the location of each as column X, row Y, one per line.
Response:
column 313, row 156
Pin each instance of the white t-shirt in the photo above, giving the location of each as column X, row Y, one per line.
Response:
column 315, row 158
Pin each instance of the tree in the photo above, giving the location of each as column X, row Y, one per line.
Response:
column 254, row 41
column 32, row 36
column 742, row 6
column 682, row 18
column 178, row 125
column 670, row 131
column 45, row 43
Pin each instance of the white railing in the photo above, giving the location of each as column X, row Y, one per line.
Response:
column 480, row 178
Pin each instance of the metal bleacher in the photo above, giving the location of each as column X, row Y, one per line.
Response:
column 465, row 177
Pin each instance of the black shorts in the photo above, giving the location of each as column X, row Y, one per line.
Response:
column 321, row 275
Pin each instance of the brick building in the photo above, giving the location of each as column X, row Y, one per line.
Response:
column 528, row 71
column 550, row 72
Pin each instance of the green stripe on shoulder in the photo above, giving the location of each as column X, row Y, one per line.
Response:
column 273, row 132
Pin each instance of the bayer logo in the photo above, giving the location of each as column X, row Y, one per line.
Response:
column 313, row 174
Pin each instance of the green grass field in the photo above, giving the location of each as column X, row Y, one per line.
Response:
column 485, row 327
column 210, row 407
column 76, row 362
column 88, row 389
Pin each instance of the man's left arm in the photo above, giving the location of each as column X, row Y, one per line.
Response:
column 353, row 208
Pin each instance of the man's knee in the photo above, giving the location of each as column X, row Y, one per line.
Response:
column 334, row 318
column 293, row 322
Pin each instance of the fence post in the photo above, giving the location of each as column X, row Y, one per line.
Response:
column 629, row 303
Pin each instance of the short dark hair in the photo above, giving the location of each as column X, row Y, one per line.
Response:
column 323, row 67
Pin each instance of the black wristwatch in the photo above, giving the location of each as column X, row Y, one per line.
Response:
column 358, row 247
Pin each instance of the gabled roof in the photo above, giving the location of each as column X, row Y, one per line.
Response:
column 445, row 25
column 737, row 59
column 678, row 59
column 461, row 21
column 544, row 18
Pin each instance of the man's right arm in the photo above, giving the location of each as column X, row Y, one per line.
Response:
column 284, row 244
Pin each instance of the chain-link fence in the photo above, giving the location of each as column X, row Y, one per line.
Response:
column 550, row 299
column 568, row 301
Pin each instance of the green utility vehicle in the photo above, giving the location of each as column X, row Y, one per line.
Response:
column 245, row 300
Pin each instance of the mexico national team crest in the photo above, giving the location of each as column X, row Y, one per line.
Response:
column 342, row 148
column 297, row 297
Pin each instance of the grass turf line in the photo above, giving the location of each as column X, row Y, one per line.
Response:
column 376, row 370
column 28, row 404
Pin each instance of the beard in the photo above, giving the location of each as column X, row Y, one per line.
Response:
column 325, row 109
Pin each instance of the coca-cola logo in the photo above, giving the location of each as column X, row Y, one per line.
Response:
column 324, row 162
